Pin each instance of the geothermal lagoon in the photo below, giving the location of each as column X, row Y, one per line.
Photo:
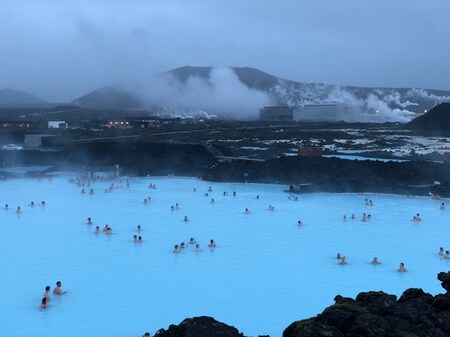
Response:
column 265, row 272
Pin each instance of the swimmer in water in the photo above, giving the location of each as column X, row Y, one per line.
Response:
column 195, row 190
column 375, row 261
column 343, row 261
column 138, row 229
column 44, row 304
column 212, row 244
column 176, row 249
column 257, row 197
column 299, row 223
column 32, row 203
column 97, row 230
column 353, row 216
column 234, row 194
column 105, row 228
column 370, row 203
column 345, row 218
column 247, row 211
column 366, row 201
column 91, row 191
column 210, row 189
column 6, row 207
column 57, row 290
column 172, row 208
column 135, row 238
column 418, row 218
column 177, row 206
column 145, row 201
column 46, row 294
column 108, row 230
column 182, row 245
column 441, row 251
column 89, row 221
column 185, row 218
column 447, row 255
column 197, row 248
column 43, row 203
column 364, row 218
column 18, row 210
column 192, row 241
column 402, row 268
column 442, row 207
column 83, row 191
column 212, row 201
column 139, row 239
column 338, row 256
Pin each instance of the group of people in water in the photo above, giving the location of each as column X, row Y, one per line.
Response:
column 182, row 246
column 343, row 261
column 19, row 210
column 57, row 291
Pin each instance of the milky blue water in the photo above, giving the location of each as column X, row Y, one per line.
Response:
column 265, row 272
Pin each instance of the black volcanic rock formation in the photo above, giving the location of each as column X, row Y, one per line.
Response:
column 16, row 98
column 377, row 314
column 437, row 119
column 199, row 327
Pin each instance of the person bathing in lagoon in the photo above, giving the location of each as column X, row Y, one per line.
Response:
column 447, row 255
column 97, row 230
column 197, row 248
column 91, row 191
column 57, row 290
column 138, row 229
column 212, row 244
column 442, row 207
column 401, row 268
column 247, row 211
column 43, row 203
column 172, row 208
column 135, row 238
column 89, row 221
column 108, row 230
column 176, row 249
column 105, row 228
column 212, row 201
column 185, row 218
column 375, row 261
column 139, row 239
column 145, row 201
column 299, row 223
column 370, row 203
column 46, row 294
column 44, row 304
column 353, row 216
column 441, row 251
column 32, row 204
column 338, row 256
column 18, row 210
column 418, row 218
column 345, row 217
column 192, row 241
column 366, row 201
column 83, row 191
column 342, row 261
column 234, row 194
column 6, row 207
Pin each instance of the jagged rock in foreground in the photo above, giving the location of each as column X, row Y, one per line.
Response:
column 377, row 314
column 202, row 326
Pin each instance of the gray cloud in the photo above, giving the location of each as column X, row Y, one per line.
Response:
column 60, row 50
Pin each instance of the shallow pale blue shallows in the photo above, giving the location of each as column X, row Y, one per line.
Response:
column 265, row 273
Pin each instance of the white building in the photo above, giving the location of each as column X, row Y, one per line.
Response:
column 57, row 125
column 323, row 112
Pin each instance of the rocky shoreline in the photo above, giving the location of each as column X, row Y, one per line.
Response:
column 324, row 174
column 371, row 314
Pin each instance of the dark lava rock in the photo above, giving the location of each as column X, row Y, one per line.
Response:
column 203, row 326
column 377, row 314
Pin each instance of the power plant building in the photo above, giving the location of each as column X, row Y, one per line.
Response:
column 324, row 112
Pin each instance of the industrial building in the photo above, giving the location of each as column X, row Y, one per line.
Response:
column 323, row 112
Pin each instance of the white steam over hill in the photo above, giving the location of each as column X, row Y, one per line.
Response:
column 240, row 92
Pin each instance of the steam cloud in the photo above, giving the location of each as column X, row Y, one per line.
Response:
column 222, row 93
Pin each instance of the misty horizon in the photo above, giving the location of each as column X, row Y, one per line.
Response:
column 62, row 50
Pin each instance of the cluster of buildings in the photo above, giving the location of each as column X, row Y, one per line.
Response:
column 323, row 112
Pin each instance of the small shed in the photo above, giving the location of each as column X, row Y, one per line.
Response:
column 40, row 140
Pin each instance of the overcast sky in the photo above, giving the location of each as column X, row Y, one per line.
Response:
column 60, row 50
